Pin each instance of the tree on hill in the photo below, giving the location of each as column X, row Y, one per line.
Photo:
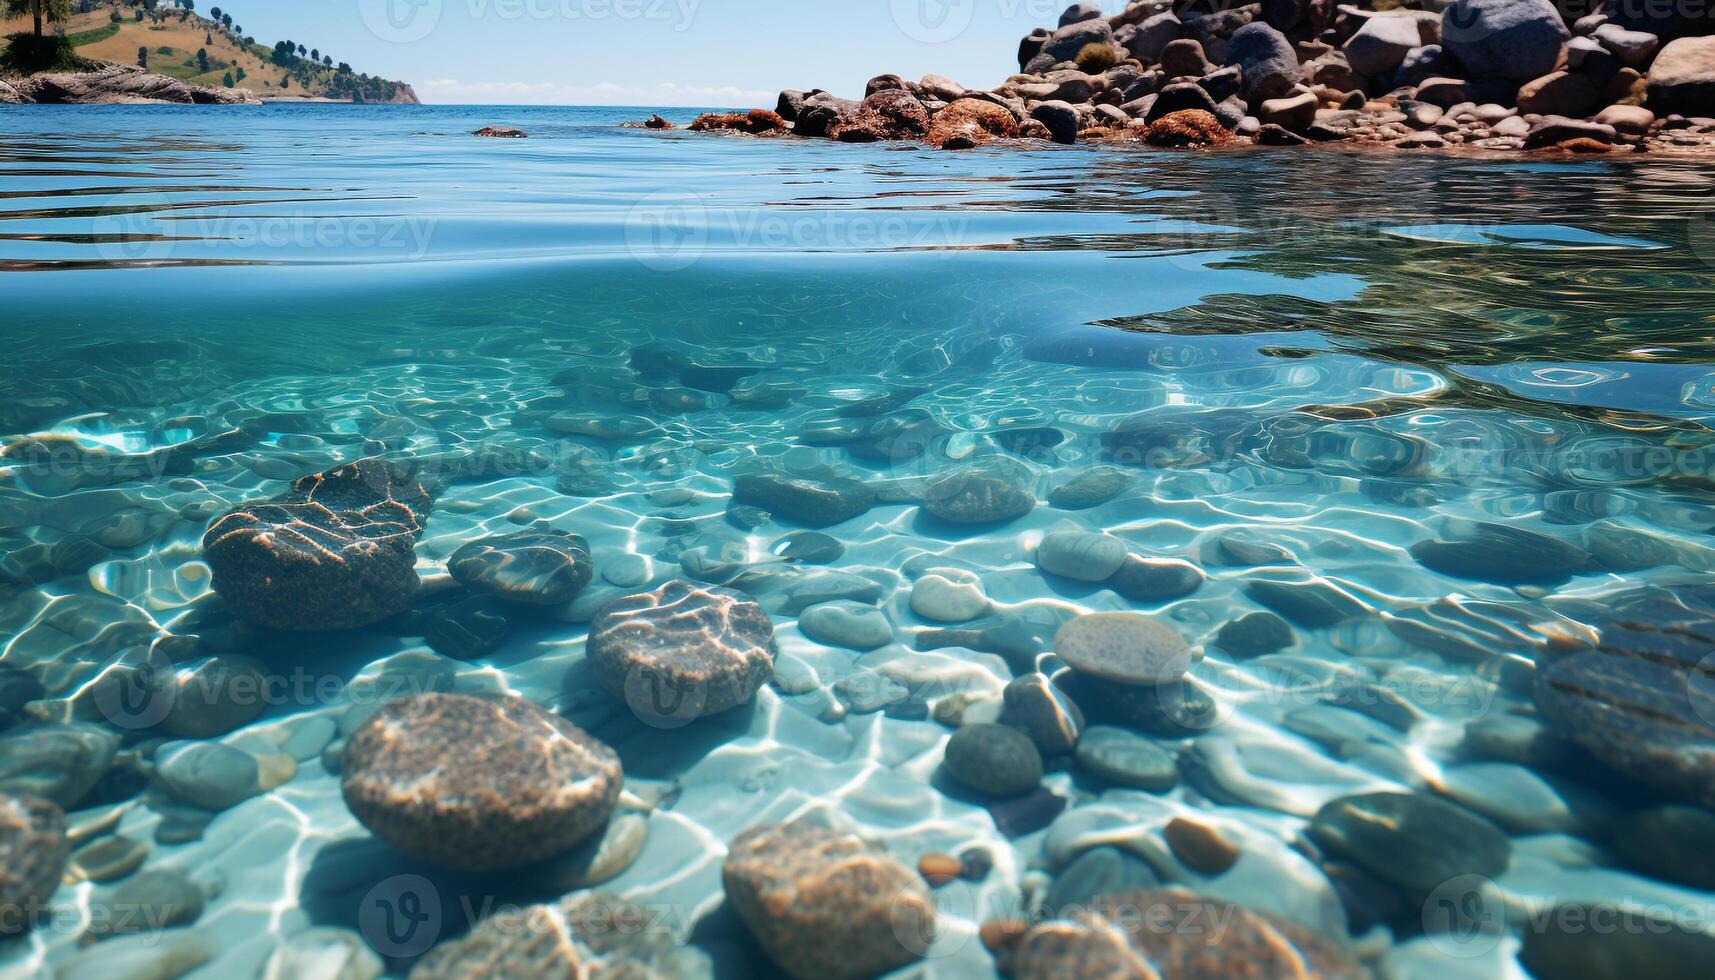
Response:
column 227, row 80
column 40, row 11
column 188, row 4
column 315, row 54
column 202, row 60
column 214, row 13
column 240, row 70
column 142, row 53
column 302, row 51
column 327, row 61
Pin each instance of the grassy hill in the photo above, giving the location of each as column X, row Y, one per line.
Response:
column 172, row 37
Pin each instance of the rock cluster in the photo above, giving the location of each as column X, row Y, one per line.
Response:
column 336, row 551
column 1493, row 74
column 116, row 85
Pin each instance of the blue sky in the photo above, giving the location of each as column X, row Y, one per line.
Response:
column 652, row 52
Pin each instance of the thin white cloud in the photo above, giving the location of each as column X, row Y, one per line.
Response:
column 452, row 90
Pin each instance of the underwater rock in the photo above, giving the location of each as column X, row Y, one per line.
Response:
column 1094, row 874
column 1255, row 634
column 1674, row 843
column 824, row 905
column 153, row 955
column 147, row 902
column 1083, row 556
column 60, row 763
column 1616, row 940
column 681, row 651
column 336, row 551
column 540, row 568
column 846, row 624
column 478, row 785
column 469, row 628
column 107, row 859
column 1155, row 579
column 1640, row 701
column 1126, row 759
column 1091, row 488
column 988, row 493
column 215, row 776
column 1417, row 842
column 1146, row 933
column 813, row 499
column 948, row 595
column 1199, row 846
column 1169, row 710
column 993, row 760
column 209, row 699
column 1043, row 712
column 33, row 853
column 1126, row 648
column 809, row 548
column 1505, row 556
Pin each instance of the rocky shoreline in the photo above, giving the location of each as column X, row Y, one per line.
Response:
column 115, row 85
column 1487, row 74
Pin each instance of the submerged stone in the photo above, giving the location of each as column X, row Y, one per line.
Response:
column 543, row 568
column 33, row 854
column 824, row 904
column 478, row 785
column 1126, row 648
column 1414, row 841
column 815, row 499
column 993, row 760
column 682, row 651
column 336, row 551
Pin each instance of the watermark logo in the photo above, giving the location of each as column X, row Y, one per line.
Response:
column 127, row 231
column 401, row 918
column 133, row 698
column 1465, row 917
column 667, row 232
column 400, row 21
column 933, row 21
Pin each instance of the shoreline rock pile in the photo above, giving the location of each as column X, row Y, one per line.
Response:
column 115, row 85
column 1489, row 74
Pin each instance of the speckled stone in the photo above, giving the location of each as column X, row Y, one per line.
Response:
column 478, row 785
column 336, row 551
column 1127, row 648
column 1155, row 933
column 824, row 904
column 32, row 858
column 984, row 494
column 682, row 651
column 814, row 499
column 539, row 568
column 533, row 943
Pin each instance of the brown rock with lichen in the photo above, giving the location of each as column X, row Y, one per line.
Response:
column 887, row 114
column 1187, row 127
column 475, row 784
column 971, row 122
column 824, row 904
column 1177, row 935
column 33, row 853
column 336, row 551
column 756, row 122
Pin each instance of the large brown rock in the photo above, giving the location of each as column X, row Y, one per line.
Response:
column 970, row 122
column 887, row 114
column 1557, row 94
column 32, row 857
column 1682, row 78
column 1154, row 933
column 336, row 551
column 682, row 651
column 1187, row 127
column 475, row 784
column 824, row 904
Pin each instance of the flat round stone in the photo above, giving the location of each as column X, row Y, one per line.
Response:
column 1128, row 648
column 539, row 568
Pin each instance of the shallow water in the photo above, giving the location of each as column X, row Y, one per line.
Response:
column 1334, row 354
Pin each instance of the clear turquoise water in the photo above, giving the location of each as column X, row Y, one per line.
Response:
column 1336, row 353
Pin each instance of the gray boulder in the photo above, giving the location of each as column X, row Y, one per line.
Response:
column 1065, row 43
column 1266, row 57
column 821, row 112
column 1381, row 45
column 1145, row 41
column 1512, row 39
column 1080, row 12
